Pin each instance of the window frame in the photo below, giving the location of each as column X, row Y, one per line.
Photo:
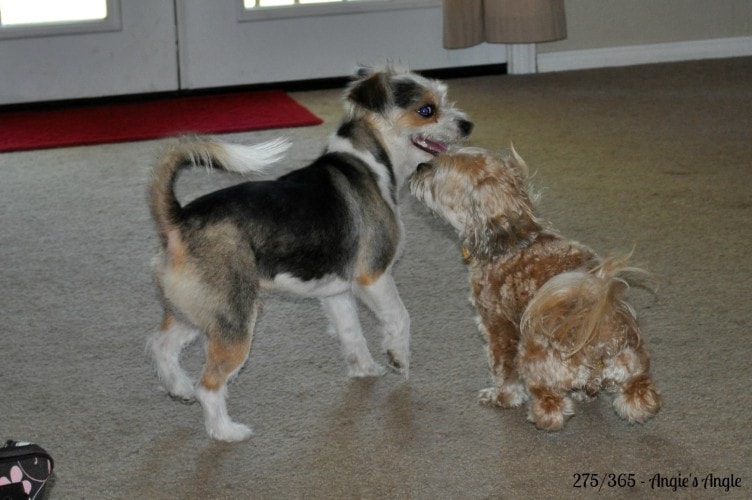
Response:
column 113, row 22
column 328, row 9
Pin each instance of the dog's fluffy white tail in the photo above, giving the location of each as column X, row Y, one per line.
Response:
column 193, row 151
column 239, row 158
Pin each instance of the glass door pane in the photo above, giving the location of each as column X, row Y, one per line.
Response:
column 69, row 49
column 20, row 12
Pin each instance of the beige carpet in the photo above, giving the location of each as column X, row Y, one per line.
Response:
column 653, row 156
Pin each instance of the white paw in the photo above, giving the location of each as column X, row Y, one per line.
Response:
column 230, row 432
column 510, row 396
column 399, row 361
column 216, row 420
column 182, row 391
column 366, row 370
column 488, row 396
column 181, row 398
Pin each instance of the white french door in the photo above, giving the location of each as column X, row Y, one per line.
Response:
column 162, row 45
column 131, row 51
column 223, row 43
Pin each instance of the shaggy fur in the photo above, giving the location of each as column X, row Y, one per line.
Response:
column 553, row 312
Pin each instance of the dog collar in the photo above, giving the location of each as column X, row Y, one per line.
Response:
column 466, row 254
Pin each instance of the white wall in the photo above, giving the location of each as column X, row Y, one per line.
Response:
column 217, row 51
column 623, row 32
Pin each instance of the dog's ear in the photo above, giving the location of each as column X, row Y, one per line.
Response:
column 516, row 162
column 372, row 92
column 486, row 228
column 498, row 218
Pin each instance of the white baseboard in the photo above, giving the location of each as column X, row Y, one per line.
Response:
column 717, row 48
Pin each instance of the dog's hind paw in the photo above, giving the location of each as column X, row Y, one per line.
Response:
column 230, row 431
column 638, row 402
column 399, row 363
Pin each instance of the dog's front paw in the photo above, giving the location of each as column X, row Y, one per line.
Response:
column 180, row 389
column 178, row 386
column 511, row 396
column 488, row 396
column 183, row 398
column 550, row 412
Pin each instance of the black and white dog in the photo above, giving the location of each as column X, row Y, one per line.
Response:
column 331, row 230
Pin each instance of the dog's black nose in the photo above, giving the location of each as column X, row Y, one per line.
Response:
column 466, row 127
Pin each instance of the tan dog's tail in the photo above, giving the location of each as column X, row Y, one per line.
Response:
column 572, row 308
column 193, row 151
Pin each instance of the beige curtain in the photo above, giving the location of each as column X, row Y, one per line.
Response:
column 470, row 22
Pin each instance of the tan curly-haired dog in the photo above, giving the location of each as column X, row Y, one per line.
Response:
column 553, row 312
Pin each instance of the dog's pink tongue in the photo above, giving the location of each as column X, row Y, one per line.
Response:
column 430, row 146
column 437, row 147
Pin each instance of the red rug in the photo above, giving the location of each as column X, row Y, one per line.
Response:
column 150, row 119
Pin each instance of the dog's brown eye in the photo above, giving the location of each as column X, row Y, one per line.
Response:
column 426, row 111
